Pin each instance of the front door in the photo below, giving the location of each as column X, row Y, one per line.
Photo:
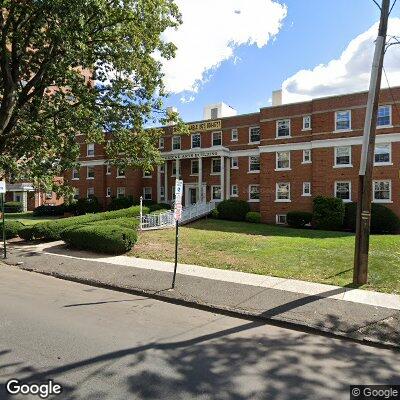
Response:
column 193, row 195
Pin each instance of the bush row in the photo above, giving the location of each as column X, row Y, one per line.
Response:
column 12, row 207
column 12, row 229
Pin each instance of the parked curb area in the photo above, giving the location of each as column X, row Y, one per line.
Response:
column 378, row 326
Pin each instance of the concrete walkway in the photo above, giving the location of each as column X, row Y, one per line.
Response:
column 360, row 314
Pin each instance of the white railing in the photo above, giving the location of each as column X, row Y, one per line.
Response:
column 195, row 211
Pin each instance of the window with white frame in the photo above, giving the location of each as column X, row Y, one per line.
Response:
column 254, row 134
column 283, row 128
column 76, row 193
column 281, row 219
column 161, row 143
column 342, row 156
column 216, row 192
column 176, row 142
column 147, row 193
column 234, row 191
column 120, row 192
column 162, row 168
column 215, row 165
column 162, row 193
column 108, row 169
column 194, row 167
column 196, row 140
column 343, row 190
column 342, row 120
column 217, row 138
column 306, row 188
column 283, row 160
column 120, row 173
column 147, row 174
column 174, row 167
column 90, row 192
column 234, row 163
column 75, row 174
column 382, row 191
column 108, row 192
column 306, row 122
column 254, row 193
column 306, row 156
column 234, row 135
column 283, row 192
column 383, row 154
column 90, row 149
column 214, row 113
column 384, row 117
column 90, row 173
column 254, row 164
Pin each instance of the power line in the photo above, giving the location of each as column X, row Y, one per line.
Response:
column 377, row 4
column 391, row 93
column 391, row 8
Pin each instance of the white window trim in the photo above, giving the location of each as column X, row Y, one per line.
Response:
column 250, row 128
column 87, row 192
column 191, row 169
column 120, row 194
column 172, row 143
column 73, row 178
column 212, row 139
column 161, row 140
column 306, row 194
column 87, row 150
column 249, row 200
column 310, row 128
column 350, row 165
column 151, row 193
column 120, row 176
column 282, row 200
column 256, row 171
column 390, row 162
column 382, row 201
column 237, row 189
column 390, row 117
column 172, row 168
column 349, row 129
column 215, row 173
column 108, row 172
column 276, row 161
column 277, row 219
column 212, row 192
column 307, row 162
column 87, row 173
column 335, row 191
column 290, row 129
column 237, row 159
column 237, row 135
column 191, row 140
column 108, row 195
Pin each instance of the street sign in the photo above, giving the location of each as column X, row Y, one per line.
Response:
column 2, row 186
column 179, row 188
column 177, row 216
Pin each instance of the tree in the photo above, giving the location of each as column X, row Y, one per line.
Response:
column 81, row 67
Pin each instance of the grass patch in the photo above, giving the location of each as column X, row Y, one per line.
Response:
column 310, row 255
column 27, row 218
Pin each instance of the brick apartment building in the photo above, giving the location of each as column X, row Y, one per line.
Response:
column 277, row 159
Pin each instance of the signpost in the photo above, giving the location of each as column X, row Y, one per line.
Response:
column 3, row 193
column 177, row 216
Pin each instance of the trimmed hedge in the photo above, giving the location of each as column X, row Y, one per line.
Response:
column 26, row 233
column 101, row 238
column 13, row 207
column 12, row 229
column 159, row 206
column 298, row 219
column 383, row 219
column 117, row 203
column 328, row 213
column 49, row 211
column 214, row 213
column 87, row 206
column 233, row 210
column 254, row 217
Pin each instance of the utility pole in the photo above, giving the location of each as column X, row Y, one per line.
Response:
column 360, row 275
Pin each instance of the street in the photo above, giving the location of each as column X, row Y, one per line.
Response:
column 100, row 344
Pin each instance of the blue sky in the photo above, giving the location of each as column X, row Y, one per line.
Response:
column 312, row 33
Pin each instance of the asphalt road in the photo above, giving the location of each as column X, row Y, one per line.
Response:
column 99, row 344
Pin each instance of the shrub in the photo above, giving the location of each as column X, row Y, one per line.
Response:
column 165, row 206
column 383, row 219
column 148, row 203
column 214, row 213
column 88, row 206
column 117, row 203
column 160, row 211
column 46, row 210
column 328, row 213
column 254, row 217
column 12, row 207
column 298, row 219
column 12, row 229
column 26, row 233
column 101, row 238
column 234, row 210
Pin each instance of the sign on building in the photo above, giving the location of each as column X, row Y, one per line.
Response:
column 205, row 126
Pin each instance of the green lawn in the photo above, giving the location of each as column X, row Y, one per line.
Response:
column 317, row 256
column 27, row 218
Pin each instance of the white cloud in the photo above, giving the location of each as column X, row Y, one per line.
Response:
column 211, row 31
column 349, row 73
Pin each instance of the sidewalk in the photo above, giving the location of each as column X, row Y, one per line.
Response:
column 358, row 314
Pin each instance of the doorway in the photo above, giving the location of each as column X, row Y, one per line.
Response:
column 191, row 193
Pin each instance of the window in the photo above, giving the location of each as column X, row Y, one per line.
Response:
column 76, row 193
column 147, row 195
column 306, row 156
column 254, row 134
column 176, row 142
column 283, row 128
column 90, row 192
column 234, row 191
column 162, row 168
column 75, row 174
column 174, row 167
column 90, row 173
column 108, row 169
column 162, row 193
column 234, row 135
column 196, row 140
column 342, row 120
column 217, row 138
column 215, row 166
column 382, row 154
column 161, row 143
column 120, row 173
column 90, row 150
column 120, row 192
column 306, row 122
column 382, row 191
column 283, row 192
column 49, row 195
column 234, row 163
column 147, row 174
column 281, row 219
column 108, row 192
column 343, row 190
column 214, row 113
column 254, row 193
column 384, row 116
column 215, row 192
column 254, row 164
column 194, row 167
column 283, row 160
column 343, row 156
column 306, row 188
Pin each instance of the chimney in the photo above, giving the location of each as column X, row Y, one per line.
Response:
column 171, row 110
column 277, row 97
